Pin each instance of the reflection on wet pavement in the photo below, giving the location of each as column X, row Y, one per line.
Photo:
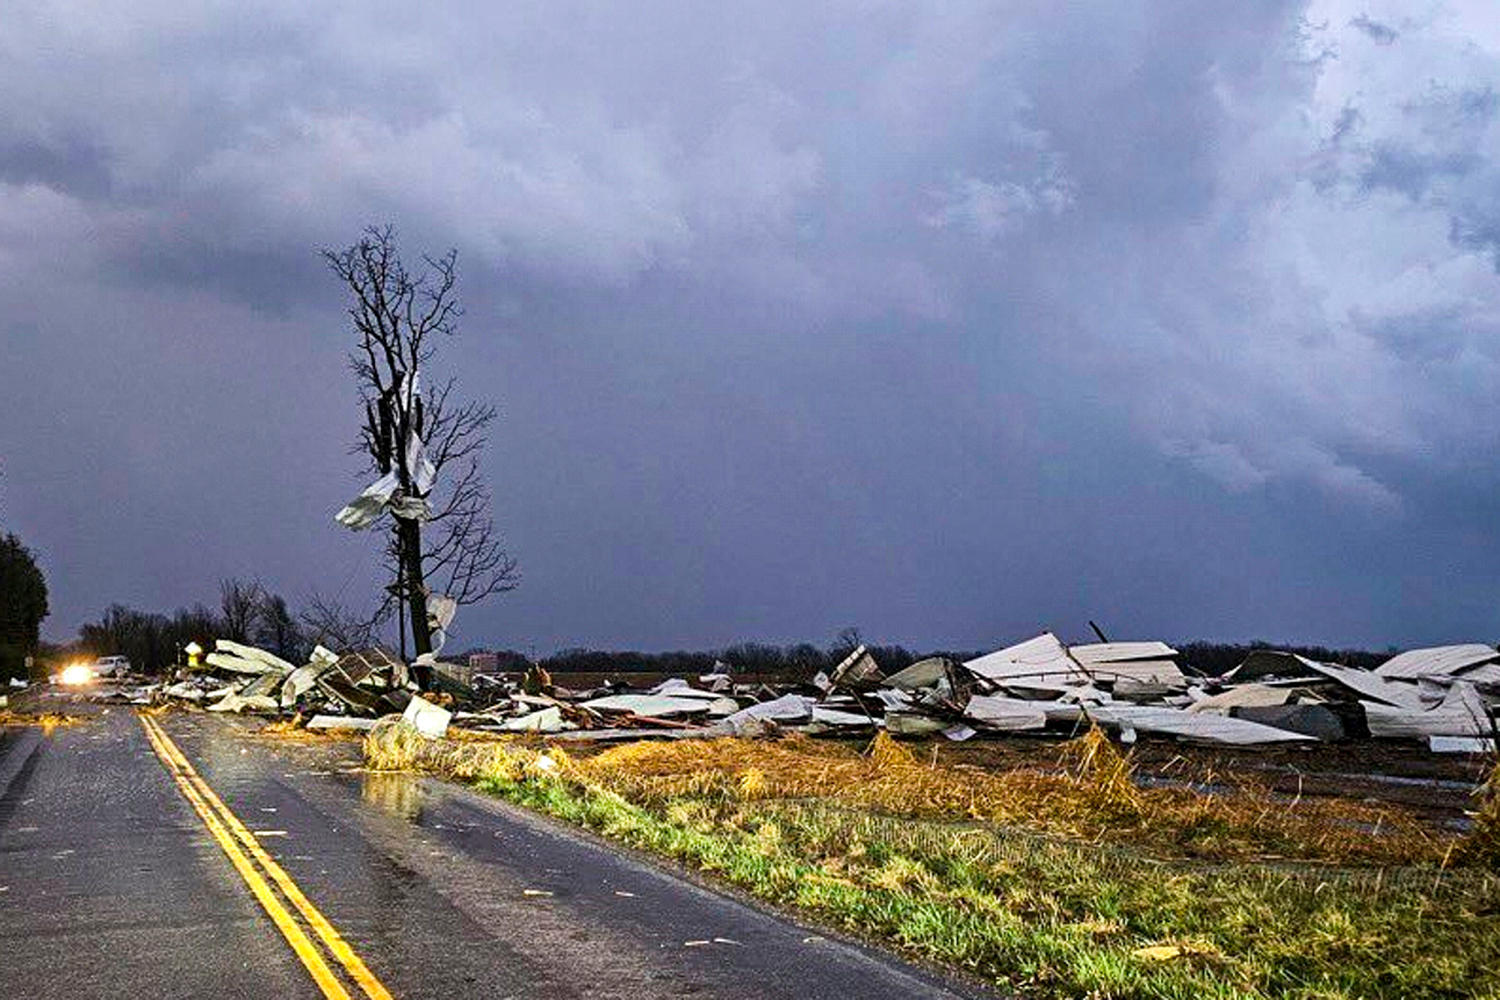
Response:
column 397, row 793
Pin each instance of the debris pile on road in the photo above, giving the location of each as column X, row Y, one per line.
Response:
column 241, row 678
column 1446, row 696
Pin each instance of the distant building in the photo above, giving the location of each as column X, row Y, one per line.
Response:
column 463, row 673
column 483, row 663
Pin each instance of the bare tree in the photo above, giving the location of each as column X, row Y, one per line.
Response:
column 239, row 606
column 276, row 630
column 441, row 537
column 327, row 622
column 847, row 641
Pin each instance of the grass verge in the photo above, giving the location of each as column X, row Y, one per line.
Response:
column 925, row 860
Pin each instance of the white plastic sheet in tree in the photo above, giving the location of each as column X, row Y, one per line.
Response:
column 365, row 509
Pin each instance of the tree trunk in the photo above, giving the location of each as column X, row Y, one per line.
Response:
column 416, row 596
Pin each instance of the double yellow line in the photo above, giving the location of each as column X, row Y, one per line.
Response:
column 245, row 853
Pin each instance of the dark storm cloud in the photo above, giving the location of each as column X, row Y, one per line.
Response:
column 951, row 320
column 73, row 167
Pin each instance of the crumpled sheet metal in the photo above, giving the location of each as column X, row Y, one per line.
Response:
column 858, row 669
column 1203, row 726
column 1007, row 714
column 1462, row 713
column 254, row 653
column 652, row 705
column 1041, row 658
column 1439, row 661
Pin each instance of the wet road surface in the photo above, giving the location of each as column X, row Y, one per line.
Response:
column 111, row 884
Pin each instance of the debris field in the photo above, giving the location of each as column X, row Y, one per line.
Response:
column 1446, row 697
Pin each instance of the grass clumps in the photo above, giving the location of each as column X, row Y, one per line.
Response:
column 1482, row 845
column 1088, row 795
column 1103, row 777
column 1110, row 894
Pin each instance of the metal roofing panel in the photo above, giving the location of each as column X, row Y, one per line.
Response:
column 1241, row 696
column 1203, row 726
column 1487, row 674
column 1461, row 713
column 1117, row 652
column 1367, row 684
column 1164, row 671
column 1043, row 656
column 1437, row 660
column 1006, row 713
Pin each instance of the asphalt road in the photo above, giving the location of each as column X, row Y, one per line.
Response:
column 112, row 884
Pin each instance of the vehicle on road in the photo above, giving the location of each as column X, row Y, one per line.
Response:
column 110, row 666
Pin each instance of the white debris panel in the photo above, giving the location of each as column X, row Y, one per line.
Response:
column 1009, row 714
column 1462, row 713
column 426, row 718
column 1203, row 726
column 1441, row 661
column 1042, row 658
column 1142, row 661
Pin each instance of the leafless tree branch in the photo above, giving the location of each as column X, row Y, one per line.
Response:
column 398, row 318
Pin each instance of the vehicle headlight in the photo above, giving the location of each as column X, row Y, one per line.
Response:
column 77, row 673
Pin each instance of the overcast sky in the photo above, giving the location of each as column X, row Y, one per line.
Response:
column 953, row 321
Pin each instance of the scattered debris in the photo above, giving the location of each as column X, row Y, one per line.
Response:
column 1133, row 719
column 328, row 722
column 427, row 718
column 1167, row 952
column 993, row 712
column 1446, row 696
column 1462, row 712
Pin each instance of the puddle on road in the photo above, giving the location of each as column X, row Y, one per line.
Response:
column 396, row 793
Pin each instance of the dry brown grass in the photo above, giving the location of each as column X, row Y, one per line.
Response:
column 395, row 746
column 1482, row 844
column 1088, row 795
column 1091, row 796
column 295, row 730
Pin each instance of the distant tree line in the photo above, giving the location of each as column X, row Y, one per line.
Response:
column 1214, row 658
column 800, row 660
column 247, row 612
column 804, row 659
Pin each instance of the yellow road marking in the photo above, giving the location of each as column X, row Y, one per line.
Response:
column 320, row 924
column 335, row 943
column 278, row 913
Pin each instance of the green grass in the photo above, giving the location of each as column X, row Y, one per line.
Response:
column 1049, row 918
column 1043, row 915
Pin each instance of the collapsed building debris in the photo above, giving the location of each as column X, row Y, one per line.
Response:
column 236, row 677
column 1445, row 697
